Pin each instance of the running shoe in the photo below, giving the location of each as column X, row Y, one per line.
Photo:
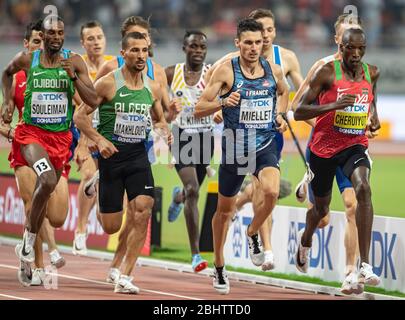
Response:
column 175, row 207
column 38, row 277
column 125, row 285
column 90, row 188
column 351, row 284
column 113, row 275
column 198, row 263
column 367, row 276
column 255, row 249
column 268, row 263
column 302, row 258
column 79, row 244
column 56, row 259
column 301, row 189
column 220, row 281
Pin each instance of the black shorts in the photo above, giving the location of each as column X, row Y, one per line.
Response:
column 192, row 150
column 324, row 169
column 230, row 178
column 126, row 171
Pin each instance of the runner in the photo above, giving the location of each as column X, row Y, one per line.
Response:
column 43, row 135
column 93, row 41
column 346, row 91
column 129, row 101
column 25, row 176
column 350, row 283
column 186, row 81
column 249, row 86
column 290, row 68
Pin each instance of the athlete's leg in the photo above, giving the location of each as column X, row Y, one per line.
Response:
column 46, row 182
column 138, row 218
column 245, row 196
column 84, row 203
column 188, row 176
column 351, row 242
column 220, row 223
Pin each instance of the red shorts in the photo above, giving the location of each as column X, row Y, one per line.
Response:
column 56, row 144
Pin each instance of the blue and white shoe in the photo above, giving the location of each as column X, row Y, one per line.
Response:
column 175, row 207
column 198, row 263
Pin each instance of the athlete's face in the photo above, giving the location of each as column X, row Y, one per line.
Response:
column 250, row 45
column 342, row 28
column 195, row 49
column 54, row 35
column 141, row 30
column 353, row 50
column 269, row 33
column 93, row 41
column 35, row 41
column 135, row 54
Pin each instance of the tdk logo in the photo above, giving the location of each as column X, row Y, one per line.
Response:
column 259, row 103
column 237, row 238
column 319, row 258
column 136, row 117
column 50, row 96
column 356, row 108
column 382, row 246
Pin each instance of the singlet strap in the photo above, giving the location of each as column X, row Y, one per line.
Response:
column 338, row 70
column 66, row 53
column 150, row 73
column 120, row 61
column 276, row 55
column 35, row 58
column 119, row 79
column 367, row 72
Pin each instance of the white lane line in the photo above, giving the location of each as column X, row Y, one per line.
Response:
column 13, row 297
column 108, row 284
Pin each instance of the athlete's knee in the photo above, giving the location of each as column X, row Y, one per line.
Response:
column 111, row 227
column 321, row 210
column 270, row 192
column 324, row 221
column 363, row 191
column 191, row 191
column 57, row 221
column 225, row 215
column 87, row 174
column 48, row 182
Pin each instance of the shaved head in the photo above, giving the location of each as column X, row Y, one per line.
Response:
column 351, row 33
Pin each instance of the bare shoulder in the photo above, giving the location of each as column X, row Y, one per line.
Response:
column 223, row 70
column 225, row 58
column 105, row 82
column 374, row 72
column 276, row 70
column 288, row 54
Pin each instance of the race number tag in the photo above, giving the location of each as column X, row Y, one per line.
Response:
column 42, row 166
column 256, row 113
column 130, row 128
column 186, row 120
column 49, row 107
column 352, row 119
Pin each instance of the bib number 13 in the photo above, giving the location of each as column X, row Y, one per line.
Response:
column 42, row 166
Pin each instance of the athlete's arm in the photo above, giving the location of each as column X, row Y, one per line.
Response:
column 208, row 102
column 5, row 128
column 159, row 122
column 322, row 80
column 83, row 84
column 282, row 97
column 106, row 68
column 170, row 108
column 374, row 122
column 294, row 70
column 105, row 89
column 304, row 86
column 20, row 62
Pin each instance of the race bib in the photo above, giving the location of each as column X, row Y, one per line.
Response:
column 352, row 119
column 49, row 107
column 130, row 128
column 96, row 119
column 186, row 120
column 256, row 114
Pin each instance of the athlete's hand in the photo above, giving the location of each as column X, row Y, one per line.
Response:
column 232, row 100
column 345, row 101
column 164, row 133
column 106, row 148
column 7, row 112
column 67, row 65
column 281, row 124
column 218, row 117
column 81, row 155
column 175, row 106
column 373, row 128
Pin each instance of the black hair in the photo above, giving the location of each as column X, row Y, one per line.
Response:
column 248, row 25
column 132, row 35
column 193, row 32
column 51, row 18
column 33, row 26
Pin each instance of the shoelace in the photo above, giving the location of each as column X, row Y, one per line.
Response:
column 221, row 277
column 256, row 244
